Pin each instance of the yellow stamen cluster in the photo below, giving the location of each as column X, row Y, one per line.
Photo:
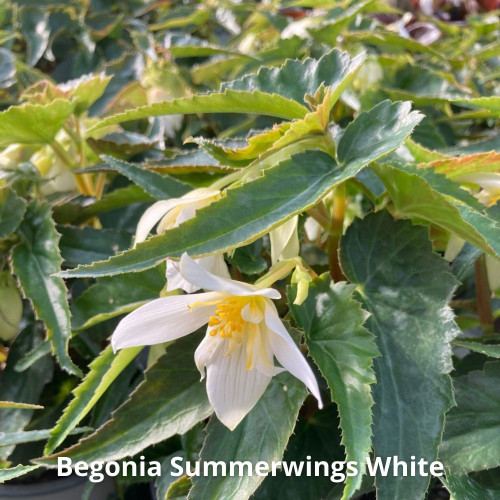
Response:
column 227, row 319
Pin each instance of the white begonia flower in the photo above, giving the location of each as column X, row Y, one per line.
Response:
column 170, row 213
column 170, row 123
column 244, row 334
column 285, row 240
column 490, row 184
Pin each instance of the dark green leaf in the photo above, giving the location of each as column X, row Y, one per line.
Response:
column 24, row 387
column 377, row 132
column 169, row 401
column 296, row 78
column 12, row 208
column 13, row 472
column 471, row 440
column 344, row 352
column 159, row 186
column 301, row 181
column 36, row 31
column 257, row 438
column 425, row 194
column 406, row 288
column 35, row 261
column 102, row 372
column 86, row 245
column 116, row 295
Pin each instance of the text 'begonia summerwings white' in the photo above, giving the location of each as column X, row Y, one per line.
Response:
column 244, row 334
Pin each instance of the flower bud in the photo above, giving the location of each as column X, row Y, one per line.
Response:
column 11, row 307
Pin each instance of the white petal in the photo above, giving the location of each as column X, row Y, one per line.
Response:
column 288, row 354
column 312, row 228
column 205, row 351
column 285, row 240
column 212, row 263
column 487, row 180
column 164, row 319
column 152, row 215
column 195, row 274
column 453, row 248
column 175, row 280
column 232, row 389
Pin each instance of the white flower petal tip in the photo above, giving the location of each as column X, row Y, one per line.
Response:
column 161, row 320
column 197, row 275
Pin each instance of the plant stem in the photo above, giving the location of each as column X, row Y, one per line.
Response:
column 66, row 159
column 336, row 229
column 483, row 296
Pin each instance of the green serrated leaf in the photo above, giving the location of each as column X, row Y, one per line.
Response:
column 35, row 261
column 116, row 295
column 15, row 438
column 33, row 123
column 406, row 288
column 471, row 440
column 377, row 132
column 86, row 245
column 491, row 103
column 301, row 182
column 35, row 27
column 344, row 352
column 296, row 78
column 492, row 350
column 102, row 372
column 169, row 401
column 257, row 438
column 230, row 101
column 24, row 387
column 12, row 208
column 17, row 471
column 159, row 186
column 428, row 195
column 462, row 487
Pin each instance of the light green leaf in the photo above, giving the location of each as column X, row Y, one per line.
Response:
column 15, row 438
column 33, row 123
column 159, row 186
column 102, row 372
column 344, row 352
column 169, row 401
column 13, row 472
column 301, row 182
column 257, row 438
column 20, row 406
column 377, row 132
column 471, row 440
column 491, row 103
column 12, row 208
column 413, row 326
column 492, row 350
column 116, row 295
column 35, row 261
column 230, row 101
column 425, row 194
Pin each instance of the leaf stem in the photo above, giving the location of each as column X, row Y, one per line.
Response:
column 483, row 296
column 336, row 229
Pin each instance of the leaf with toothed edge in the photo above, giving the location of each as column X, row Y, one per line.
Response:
column 35, row 262
column 406, row 289
column 169, row 401
column 257, row 438
column 344, row 351
column 230, row 101
column 103, row 371
column 253, row 209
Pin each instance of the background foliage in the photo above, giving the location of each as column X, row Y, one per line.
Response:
column 366, row 121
